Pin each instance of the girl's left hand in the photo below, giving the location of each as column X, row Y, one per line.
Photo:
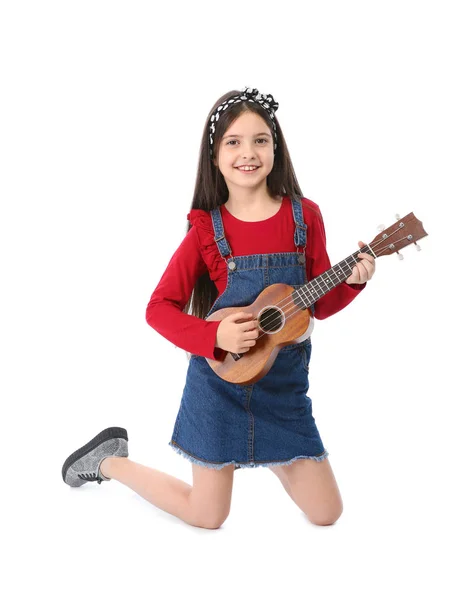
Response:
column 364, row 269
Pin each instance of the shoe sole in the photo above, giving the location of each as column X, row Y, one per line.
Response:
column 106, row 434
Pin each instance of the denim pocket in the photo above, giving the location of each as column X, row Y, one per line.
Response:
column 306, row 353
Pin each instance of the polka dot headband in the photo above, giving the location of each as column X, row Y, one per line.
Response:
column 250, row 95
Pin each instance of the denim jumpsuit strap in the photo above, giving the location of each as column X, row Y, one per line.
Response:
column 219, row 237
column 300, row 237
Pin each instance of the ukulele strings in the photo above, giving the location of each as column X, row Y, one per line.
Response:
column 291, row 303
column 381, row 250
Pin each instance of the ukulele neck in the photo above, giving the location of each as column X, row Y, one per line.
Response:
column 312, row 291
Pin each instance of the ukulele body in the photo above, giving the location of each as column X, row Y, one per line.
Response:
column 281, row 322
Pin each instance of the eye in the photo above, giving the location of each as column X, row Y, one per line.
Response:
column 258, row 139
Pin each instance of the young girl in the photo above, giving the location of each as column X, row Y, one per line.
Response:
column 249, row 227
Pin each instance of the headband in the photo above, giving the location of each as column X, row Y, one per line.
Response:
column 250, row 95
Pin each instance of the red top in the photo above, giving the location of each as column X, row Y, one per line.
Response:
column 198, row 252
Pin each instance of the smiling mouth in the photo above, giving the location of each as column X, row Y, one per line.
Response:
column 247, row 170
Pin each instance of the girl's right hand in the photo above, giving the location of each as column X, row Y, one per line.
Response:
column 237, row 337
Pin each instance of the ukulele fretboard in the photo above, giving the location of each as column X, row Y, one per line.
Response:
column 309, row 293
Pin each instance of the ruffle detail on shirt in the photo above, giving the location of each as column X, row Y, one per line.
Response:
column 201, row 219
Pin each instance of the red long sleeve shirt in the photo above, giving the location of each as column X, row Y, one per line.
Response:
column 198, row 252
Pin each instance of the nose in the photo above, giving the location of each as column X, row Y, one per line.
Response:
column 247, row 149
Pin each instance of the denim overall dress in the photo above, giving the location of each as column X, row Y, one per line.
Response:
column 269, row 422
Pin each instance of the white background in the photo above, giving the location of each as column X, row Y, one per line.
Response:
column 102, row 110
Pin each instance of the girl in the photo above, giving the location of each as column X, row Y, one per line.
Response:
column 249, row 227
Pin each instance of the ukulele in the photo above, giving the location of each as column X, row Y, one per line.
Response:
column 282, row 311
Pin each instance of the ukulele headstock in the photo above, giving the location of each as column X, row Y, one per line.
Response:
column 402, row 233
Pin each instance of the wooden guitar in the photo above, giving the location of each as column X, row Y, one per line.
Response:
column 283, row 312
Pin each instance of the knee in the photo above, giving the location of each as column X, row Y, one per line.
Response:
column 211, row 520
column 327, row 516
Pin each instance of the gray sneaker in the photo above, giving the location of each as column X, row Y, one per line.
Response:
column 83, row 465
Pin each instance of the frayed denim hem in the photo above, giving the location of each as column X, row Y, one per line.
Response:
column 239, row 465
column 318, row 458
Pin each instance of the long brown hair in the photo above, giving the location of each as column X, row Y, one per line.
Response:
column 211, row 190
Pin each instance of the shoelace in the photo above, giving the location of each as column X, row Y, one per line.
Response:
column 90, row 477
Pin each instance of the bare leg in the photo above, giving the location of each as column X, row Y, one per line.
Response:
column 204, row 504
column 279, row 471
column 312, row 486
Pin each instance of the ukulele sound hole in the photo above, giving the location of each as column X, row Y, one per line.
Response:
column 271, row 320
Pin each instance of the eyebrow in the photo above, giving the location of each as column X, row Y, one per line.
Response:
column 234, row 135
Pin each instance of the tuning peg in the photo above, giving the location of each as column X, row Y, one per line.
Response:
column 417, row 246
column 400, row 256
column 381, row 227
column 397, row 217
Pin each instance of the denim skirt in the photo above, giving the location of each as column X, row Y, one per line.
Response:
column 266, row 423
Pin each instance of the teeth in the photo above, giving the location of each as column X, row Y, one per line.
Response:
column 247, row 168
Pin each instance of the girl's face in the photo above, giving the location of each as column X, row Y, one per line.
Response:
column 247, row 141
